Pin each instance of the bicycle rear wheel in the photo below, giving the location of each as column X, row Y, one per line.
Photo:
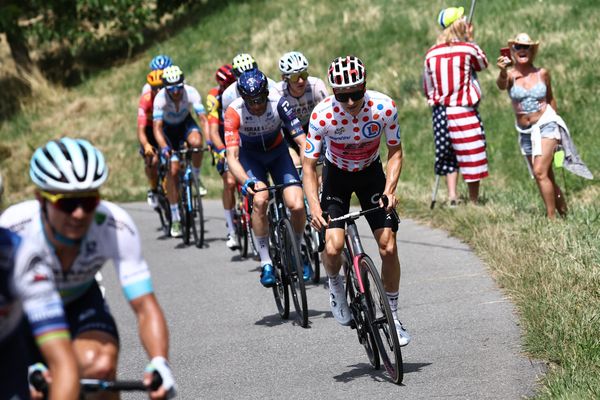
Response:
column 292, row 261
column 196, row 215
column 382, row 321
column 311, row 239
column 164, row 213
column 356, row 301
column 240, row 229
column 184, row 213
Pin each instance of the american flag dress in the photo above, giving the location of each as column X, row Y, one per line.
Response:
column 451, row 88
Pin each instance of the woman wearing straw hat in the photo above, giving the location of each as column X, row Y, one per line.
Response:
column 453, row 92
column 534, row 105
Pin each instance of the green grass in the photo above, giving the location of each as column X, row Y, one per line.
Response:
column 550, row 270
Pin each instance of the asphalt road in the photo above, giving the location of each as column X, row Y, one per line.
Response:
column 228, row 342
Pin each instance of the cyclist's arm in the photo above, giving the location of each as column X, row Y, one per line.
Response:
column 154, row 333
column 232, row 141
column 144, row 109
column 196, row 101
column 61, row 361
column 292, row 124
column 312, row 150
column 158, row 122
column 394, row 162
column 212, row 110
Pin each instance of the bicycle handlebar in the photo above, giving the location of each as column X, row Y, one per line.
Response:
column 357, row 214
column 272, row 187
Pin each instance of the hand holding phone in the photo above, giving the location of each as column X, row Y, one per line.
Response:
column 505, row 52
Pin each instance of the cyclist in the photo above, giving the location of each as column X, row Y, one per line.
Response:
column 301, row 90
column 225, row 78
column 26, row 287
column 352, row 122
column 75, row 234
column 157, row 63
column 241, row 63
column 148, row 145
column 255, row 147
column 174, row 125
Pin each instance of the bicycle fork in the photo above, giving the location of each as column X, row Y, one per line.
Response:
column 354, row 245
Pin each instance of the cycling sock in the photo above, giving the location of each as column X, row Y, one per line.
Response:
column 299, row 238
column 196, row 172
column 393, row 300
column 262, row 244
column 229, row 220
column 175, row 212
column 336, row 283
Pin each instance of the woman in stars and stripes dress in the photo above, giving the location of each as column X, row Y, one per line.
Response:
column 452, row 90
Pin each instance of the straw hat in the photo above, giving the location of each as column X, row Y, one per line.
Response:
column 523, row 38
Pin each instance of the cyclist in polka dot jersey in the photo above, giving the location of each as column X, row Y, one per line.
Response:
column 351, row 123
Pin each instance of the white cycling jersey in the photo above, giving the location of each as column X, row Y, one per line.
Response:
column 352, row 142
column 112, row 236
column 232, row 93
column 26, row 286
column 314, row 93
column 165, row 109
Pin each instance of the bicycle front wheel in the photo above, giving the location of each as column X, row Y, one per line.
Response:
column 381, row 321
column 292, row 261
column 164, row 213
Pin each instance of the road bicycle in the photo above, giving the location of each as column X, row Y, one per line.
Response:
column 89, row 386
column 286, row 256
column 368, row 301
column 243, row 224
column 190, row 201
column 163, row 208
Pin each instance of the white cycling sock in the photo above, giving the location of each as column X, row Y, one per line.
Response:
column 175, row 212
column 262, row 244
column 196, row 171
column 393, row 300
column 336, row 283
column 229, row 220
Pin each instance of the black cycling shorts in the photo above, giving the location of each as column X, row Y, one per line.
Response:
column 90, row 313
column 368, row 184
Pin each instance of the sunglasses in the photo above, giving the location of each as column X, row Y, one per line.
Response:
column 175, row 88
column 262, row 99
column 521, row 47
column 344, row 97
column 296, row 77
column 69, row 202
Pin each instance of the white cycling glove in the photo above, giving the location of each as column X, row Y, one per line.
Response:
column 160, row 365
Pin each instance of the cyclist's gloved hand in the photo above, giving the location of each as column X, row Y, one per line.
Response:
column 248, row 184
column 148, row 150
column 37, row 386
column 222, row 152
column 210, row 145
column 165, row 152
column 160, row 365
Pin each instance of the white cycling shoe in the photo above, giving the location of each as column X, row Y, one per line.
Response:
column 232, row 242
column 339, row 308
column 403, row 336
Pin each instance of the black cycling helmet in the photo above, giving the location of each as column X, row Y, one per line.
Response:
column 253, row 83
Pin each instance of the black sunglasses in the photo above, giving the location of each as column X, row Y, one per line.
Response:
column 256, row 100
column 344, row 97
column 69, row 202
column 521, row 47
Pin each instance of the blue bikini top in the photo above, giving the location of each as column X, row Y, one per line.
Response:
column 526, row 101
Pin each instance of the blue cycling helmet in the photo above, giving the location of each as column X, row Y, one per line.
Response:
column 161, row 61
column 253, row 83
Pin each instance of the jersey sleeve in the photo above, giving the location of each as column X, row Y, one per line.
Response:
column 315, row 136
column 288, row 118
column 232, row 128
column 132, row 269
column 34, row 285
column 320, row 91
column 158, row 106
column 144, row 109
column 212, row 108
column 392, row 127
column 479, row 61
column 195, row 100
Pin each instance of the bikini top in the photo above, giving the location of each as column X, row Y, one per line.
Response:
column 526, row 101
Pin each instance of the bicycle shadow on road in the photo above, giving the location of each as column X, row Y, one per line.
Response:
column 377, row 375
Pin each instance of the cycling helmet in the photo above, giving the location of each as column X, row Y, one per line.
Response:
column 172, row 75
column 346, row 72
column 154, row 78
column 253, row 83
column 243, row 62
column 160, row 62
column 292, row 63
column 225, row 75
column 68, row 165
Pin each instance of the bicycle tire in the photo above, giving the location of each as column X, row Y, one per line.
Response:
column 280, row 288
column 241, row 233
column 164, row 213
column 314, row 256
column 196, row 215
column 382, row 321
column 184, row 214
column 356, row 304
column 292, row 262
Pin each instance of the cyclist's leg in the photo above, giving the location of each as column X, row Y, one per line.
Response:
column 228, row 197
column 95, row 337
column 151, row 163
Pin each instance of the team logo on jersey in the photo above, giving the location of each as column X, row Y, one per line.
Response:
column 371, row 129
column 100, row 218
column 309, row 148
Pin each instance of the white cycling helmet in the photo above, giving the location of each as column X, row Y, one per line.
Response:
column 243, row 62
column 292, row 63
column 68, row 165
column 172, row 75
column 346, row 72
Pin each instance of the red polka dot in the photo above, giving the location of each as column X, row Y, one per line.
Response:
column 365, row 109
column 327, row 100
column 365, row 118
column 334, row 122
column 356, row 137
column 356, row 129
column 344, row 122
column 393, row 142
column 370, row 103
column 355, row 120
column 308, row 135
column 376, row 116
column 328, row 115
column 393, row 103
column 314, row 115
column 388, row 112
column 393, row 126
column 317, row 155
column 322, row 123
column 318, row 137
column 336, row 109
column 342, row 113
